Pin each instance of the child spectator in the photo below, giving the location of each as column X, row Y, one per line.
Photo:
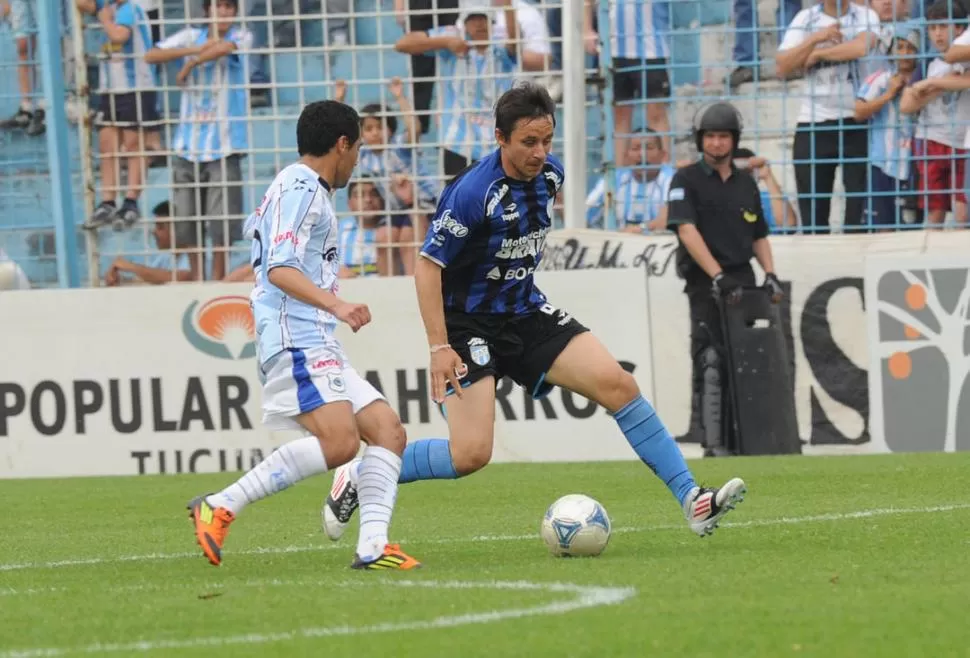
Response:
column 942, row 124
column 211, row 138
column 358, row 241
column 890, row 132
column 779, row 211
column 165, row 266
column 23, row 25
column 127, row 107
column 389, row 157
column 640, row 193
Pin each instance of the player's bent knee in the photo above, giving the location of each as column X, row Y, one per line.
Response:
column 469, row 457
column 391, row 436
column 618, row 389
column 339, row 446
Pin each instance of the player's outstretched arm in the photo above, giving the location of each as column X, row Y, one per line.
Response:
column 297, row 285
column 445, row 362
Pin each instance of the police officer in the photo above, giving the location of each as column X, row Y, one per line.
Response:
column 715, row 208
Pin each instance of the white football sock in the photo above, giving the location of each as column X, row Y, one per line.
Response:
column 290, row 463
column 377, row 491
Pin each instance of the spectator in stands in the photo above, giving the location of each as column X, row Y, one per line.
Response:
column 165, row 266
column 779, row 211
column 746, row 36
column 890, row 11
column 890, row 132
column 358, row 233
column 128, row 107
column 943, row 116
column 23, row 25
column 211, row 138
column 640, row 192
column 424, row 16
column 826, row 40
column 12, row 277
column 475, row 69
column 640, row 49
column 389, row 157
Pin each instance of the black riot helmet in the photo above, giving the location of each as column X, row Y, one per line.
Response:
column 717, row 117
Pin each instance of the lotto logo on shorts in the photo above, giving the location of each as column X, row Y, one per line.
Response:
column 323, row 364
column 222, row 327
column 917, row 310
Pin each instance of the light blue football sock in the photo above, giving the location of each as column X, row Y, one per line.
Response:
column 655, row 446
column 427, row 459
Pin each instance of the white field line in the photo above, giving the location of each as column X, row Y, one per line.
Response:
column 275, row 550
column 581, row 597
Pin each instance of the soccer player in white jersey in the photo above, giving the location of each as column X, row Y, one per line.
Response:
column 307, row 382
column 474, row 70
column 827, row 41
column 211, row 136
column 890, row 131
column 639, row 44
column 640, row 192
column 943, row 117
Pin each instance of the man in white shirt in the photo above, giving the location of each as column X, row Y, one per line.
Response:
column 827, row 40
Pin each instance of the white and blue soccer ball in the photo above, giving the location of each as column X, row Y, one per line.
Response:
column 576, row 526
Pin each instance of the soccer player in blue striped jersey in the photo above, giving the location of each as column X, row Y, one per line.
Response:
column 485, row 318
column 639, row 45
column 640, row 191
column 211, row 136
column 307, row 382
column 890, row 131
column 127, row 106
column 473, row 72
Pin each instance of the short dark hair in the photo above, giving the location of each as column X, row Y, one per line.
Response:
column 207, row 4
column 942, row 10
column 650, row 133
column 164, row 209
column 379, row 112
column 322, row 124
column 525, row 100
column 366, row 179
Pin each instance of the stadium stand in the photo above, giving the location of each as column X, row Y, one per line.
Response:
column 303, row 51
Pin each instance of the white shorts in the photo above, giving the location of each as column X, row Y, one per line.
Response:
column 298, row 381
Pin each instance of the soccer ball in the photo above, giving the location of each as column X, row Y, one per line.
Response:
column 576, row 526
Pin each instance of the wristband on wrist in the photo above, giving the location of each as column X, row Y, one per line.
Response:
column 438, row 348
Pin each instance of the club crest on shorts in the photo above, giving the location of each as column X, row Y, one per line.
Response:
column 479, row 351
column 337, row 383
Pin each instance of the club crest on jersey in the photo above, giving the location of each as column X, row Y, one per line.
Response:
column 479, row 351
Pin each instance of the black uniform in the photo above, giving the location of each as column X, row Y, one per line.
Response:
column 729, row 216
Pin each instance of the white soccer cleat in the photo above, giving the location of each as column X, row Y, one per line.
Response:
column 341, row 503
column 705, row 507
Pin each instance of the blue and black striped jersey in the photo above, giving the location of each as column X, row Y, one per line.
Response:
column 488, row 233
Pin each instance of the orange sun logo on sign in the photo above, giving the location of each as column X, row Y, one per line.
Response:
column 222, row 327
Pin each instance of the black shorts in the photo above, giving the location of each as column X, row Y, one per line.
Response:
column 397, row 221
column 133, row 110
column 522, row 347
column 628, row 84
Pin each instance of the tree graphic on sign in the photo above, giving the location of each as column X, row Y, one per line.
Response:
column 949, row 339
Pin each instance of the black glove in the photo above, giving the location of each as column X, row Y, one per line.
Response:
column 726, row 288
column 773, row 286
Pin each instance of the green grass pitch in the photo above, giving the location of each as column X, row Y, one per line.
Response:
column 842, row 556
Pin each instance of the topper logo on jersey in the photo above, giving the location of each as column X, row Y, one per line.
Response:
column 222, row 327
column 527, row 245
column 448, row 223
column 497, row 199
column 510, row 214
